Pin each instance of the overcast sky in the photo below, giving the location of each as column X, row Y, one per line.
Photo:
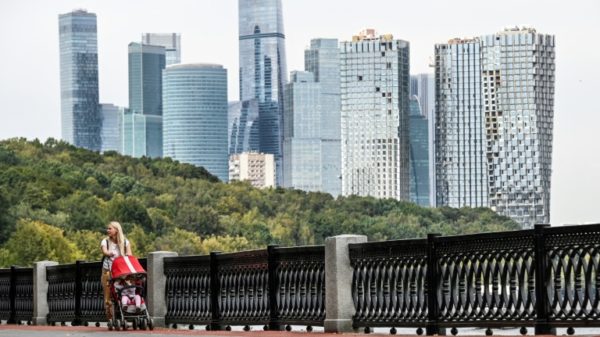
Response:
column 29, row 60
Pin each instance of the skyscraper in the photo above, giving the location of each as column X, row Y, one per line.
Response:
column 146, row 63
column 419, row 154
column 80, row 110
column 263, row 74
column 171, row 42
column 374, row 98
column 311, row 148
column 112, row 127
column 423, row 87
column 494, row 120
column 195, row 116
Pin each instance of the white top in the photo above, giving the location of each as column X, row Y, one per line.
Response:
column 114, row 248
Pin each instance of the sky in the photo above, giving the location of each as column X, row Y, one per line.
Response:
column 30, row 82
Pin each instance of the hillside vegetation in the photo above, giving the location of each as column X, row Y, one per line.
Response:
column 55, row 202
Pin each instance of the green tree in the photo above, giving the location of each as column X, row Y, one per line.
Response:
column 36, row 241
column 180, row 241
column 88, row 243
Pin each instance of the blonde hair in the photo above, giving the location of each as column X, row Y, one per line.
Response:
column 120, row 237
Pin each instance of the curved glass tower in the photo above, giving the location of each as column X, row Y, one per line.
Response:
column 195, row 116
column 80, row 110
column 263, row 74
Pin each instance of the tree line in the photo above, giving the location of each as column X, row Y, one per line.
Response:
column 56, row 200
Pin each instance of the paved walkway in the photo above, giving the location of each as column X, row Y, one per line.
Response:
column 67, row 331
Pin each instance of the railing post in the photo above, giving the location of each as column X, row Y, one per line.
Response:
column 339, row 307
column 542, row 309
column 274, row 323
column 40, row 292
column 215, row 292
column 12, row 294
column 77, row 320
column 433, row 276
column 157, row 285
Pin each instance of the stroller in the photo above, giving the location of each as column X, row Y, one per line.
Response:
column 128, row 279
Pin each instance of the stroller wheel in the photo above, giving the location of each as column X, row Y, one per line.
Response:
column 150, row 324
column 142, row 324
column 135, row 324
column 109, row 325
column 117, row 324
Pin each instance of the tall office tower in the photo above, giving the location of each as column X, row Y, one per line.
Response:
column 419, row 154
column 323, row 60
column 374, row 98
column 80, row 110
column 311, row 147
column 171, row 42
column 263, row 76
column 494, row 120
column 423, row 86
column 142, row 132
column 112, row 127
column 195, row 116
column 257, row 168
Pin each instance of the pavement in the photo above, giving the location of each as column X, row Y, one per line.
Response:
column 80, row 331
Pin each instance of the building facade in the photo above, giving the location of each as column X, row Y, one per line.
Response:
column 418, row 154
column 423, row 87
column 170, row 41
column 257, row 168
column 312, row 148
column 146, row 63
column 263, row 75
column 112, row 127
column 80, row 109
column 374, row 116
column 494, row 122
column 195, row 116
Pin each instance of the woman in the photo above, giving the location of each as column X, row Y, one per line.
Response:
column 113, row 246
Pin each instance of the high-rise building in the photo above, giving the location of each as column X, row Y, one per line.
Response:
column 195, row 116
column 374, row 116
column 112, row 127
column 146, row 63
column 257, row 168
column 142, row 135
column 311, row 148
column 494, row 120
column 423, row 87
column 80, row 110
column 419, row 154
column 171, row 42
column 263, row 75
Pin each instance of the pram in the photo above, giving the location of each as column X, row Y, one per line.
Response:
column 128, row 277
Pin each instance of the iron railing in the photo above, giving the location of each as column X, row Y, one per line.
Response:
column 544, row 278
column 16, row 295
column 273, row 287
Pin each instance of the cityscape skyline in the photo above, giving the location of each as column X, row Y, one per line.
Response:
column 575, row 173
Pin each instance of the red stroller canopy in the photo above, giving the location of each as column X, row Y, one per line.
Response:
column 126, row 265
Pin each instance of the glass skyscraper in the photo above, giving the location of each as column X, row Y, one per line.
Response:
column 419, row 153
column 263, row 75
column 80, row 110
column 112, row 127
column 494, row 121
column 423, row 87
column 195, row 116
column 171, row 42
column 311, row 148
column 146, row 63
column 374, row 116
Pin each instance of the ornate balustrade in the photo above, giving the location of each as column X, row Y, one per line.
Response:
column 543, row 278
column 573, row 278
column 389, row 283
column 272, row 287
